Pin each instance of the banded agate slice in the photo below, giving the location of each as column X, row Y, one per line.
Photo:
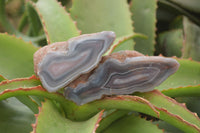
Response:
column 60, row 63
column 118, row 77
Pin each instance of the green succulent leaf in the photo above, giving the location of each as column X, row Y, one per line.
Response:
column 183, row 91
column 23, row 21
column 3, row 18
column 15, row 117
column 177, row 113
column 26, row 86
column 2, row 78
column 49, row 120
column 122, row 102
column 102, row 15
column 132, row 124
column 171, row 43
column 179, row 10
column 152, row 103
column 121, row 40
column 192, row 5
column 192, row 103
column 192, row 41
column 167, row 127
column 33, row 18
column 29, row 102
column 57, row 23
column 16, row 57
column 144, row 17
column 110, row 118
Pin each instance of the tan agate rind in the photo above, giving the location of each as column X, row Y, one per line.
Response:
column 41, row 53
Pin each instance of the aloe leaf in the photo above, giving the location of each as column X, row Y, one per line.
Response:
column 180, row 10
column 57, row 23
column 15, row 117
column 102, row 15
column 192, row 103
column 20, row 83
column 120, row 40
column 109, row 119
column 192, row 5
column 2, row 78
column 190, row 90
column 192, row 41
column 167, row 128
column 31, row 86
column 23, row 21
column 26, row 86
column 171, row 43
column 33, row 18
column 187, row 74
column 3, row 18
column 168, row 107
column 125, row 102
column 144, row 17
column 26, row 100
column 49, row 120
column 16, row 57
column 132, row 124
column 153, row 103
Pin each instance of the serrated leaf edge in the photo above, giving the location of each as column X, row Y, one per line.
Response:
column 179, row 104
column 33, row 77
column 43, row 22
column 19, row 38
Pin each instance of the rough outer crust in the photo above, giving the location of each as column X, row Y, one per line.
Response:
column 41, row 53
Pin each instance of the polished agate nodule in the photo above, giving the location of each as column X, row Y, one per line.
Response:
column 74, row 64
column 116, row 76
column 60, row 63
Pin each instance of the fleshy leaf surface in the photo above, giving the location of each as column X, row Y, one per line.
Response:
column 167, row 127
column 132, row 124
column 57, row 23
column 144, row 17
column 2, row 78
column 102, row 15
column 29, row 102
column 15, row 117
column 34, row 20
column 192, row 42
column 153, row 103
column 27, row 86
column 49, row 120
column 178, row 114
column 192, row 5
column 170, row 43
column 16, row 57
column 109, row 118
column 190, row 90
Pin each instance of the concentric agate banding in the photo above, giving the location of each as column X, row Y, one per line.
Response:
column 60, row 63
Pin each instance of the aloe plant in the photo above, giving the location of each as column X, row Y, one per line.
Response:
column 151, row 27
